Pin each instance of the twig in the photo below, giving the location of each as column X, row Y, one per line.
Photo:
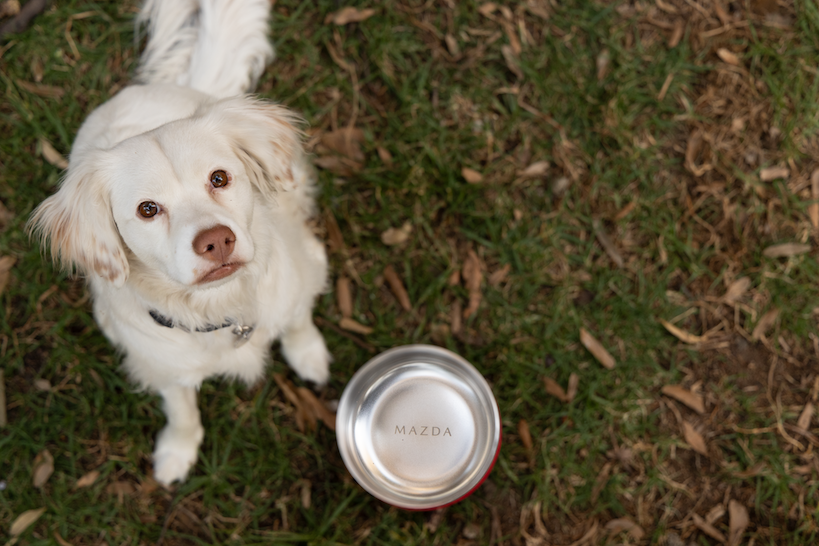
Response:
column 20, row 21
column 324, row 322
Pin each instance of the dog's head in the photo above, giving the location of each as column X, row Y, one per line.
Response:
column 181, row 197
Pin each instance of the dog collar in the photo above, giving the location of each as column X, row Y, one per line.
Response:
column 241, row 331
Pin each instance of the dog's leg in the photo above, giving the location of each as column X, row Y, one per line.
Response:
column 303, row 347
column 177, row 445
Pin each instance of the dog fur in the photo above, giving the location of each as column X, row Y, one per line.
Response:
column 162, row 141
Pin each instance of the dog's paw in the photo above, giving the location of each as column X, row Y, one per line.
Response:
column 307, row 354
column 176, row 452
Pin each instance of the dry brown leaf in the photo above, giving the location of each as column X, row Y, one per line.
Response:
column 553, row 388
column 317, row 408
column 764, row 324
column 41, row 90
column 87, row 479
column 722, row 15
column 512, row 62
column 43, row 468
column 625, row 524
column 666, row 85
column 304, row 418
column 354, row 326
column 813, row 208
column 694, row 438
column 737, row 289
column 805, row 417
column 348, row 15
column 338, row 165
column 769, row 174
column 455, row 314
column 786, row 250
column 396, row 236
column 385, row 156
column 682, row 335
column 37, row 69
column 472, row 274
column 487, row 9
column 333, row 231
column 738, row 521
column 397, row 287
column 6, row 263
column 43, row 385
column 597, row 349
column 345, row 141
column 603, row 60
column 571, row 390
column 537, row 169
column 525, row 436
column 471, row 175
column 51, row 155
column 676, row 34
column 500, row 275
column 344, row 297
column 690, row 399
column 708, row 529
column 452, row 45
column 728, row 56
column 24, row 521
column 607, row 244
column 60, row 540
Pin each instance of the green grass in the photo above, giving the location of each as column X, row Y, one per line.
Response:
column 615, row 142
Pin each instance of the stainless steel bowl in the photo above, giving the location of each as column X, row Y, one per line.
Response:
column 418, row 427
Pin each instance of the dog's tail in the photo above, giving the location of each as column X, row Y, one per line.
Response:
column 219, row 47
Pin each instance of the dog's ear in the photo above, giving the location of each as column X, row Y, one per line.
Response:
column 266, row 138
column 78, row 223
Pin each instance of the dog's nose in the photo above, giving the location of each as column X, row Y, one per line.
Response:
column 215, row 244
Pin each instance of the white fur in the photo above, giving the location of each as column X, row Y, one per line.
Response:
column 159, row 141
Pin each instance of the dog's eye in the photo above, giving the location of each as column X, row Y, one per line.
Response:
column 219, row 179
column 147, row 209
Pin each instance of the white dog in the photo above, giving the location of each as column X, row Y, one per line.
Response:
column 186, row 206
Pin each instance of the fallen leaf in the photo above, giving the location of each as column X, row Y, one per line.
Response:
column 452, row 45
column 304, row 418
column 87, row 479
column 596, row 349
column 785, row 250
column 738, row 521
column 553, row 388
column 42, row 385
column 338, row 165
column 471, row 175
column 708, row 529
column 43, row 468
column 607, row 244
column 41, row 90
column 512, row 62
column 455, row 314
column 603, row 59
column 37, row 69
column 715, row 514
column 60, row 540
column 690, row 399
column 625, row 524
column 665, row 87
column 682, row 335
column 344, row 297
column 353, row 326
column 625, row 211
column 345, row 141
column 728, row 56
column 333, row 231
column 537, row 169
column 571, row 390
column 348, row 15
column 397, row 236
column 120, row 489
column 764, row 324
column 770, row 174
column 24, row 521
column 805, row 417
column 51, row 155
column 397, row 287
column 694, row 438
column 737, row 289
column 385, row 156
column 813, row 208
column 525, row 436
column 500, row 275
column 487, row 9
column 676, row 34
column 6, row 263
column 317, row 408
column 306, row 494
column 473, row 278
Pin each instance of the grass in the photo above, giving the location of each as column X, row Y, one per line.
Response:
column 616, row 451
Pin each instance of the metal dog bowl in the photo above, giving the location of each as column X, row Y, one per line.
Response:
column 418, row 427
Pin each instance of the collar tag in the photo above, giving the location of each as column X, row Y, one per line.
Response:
column 242, row 333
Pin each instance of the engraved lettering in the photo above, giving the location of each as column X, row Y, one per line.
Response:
column 412, row 431
column 447, row 432
column 423, row 431
column 434, row 429
column 402, row 430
